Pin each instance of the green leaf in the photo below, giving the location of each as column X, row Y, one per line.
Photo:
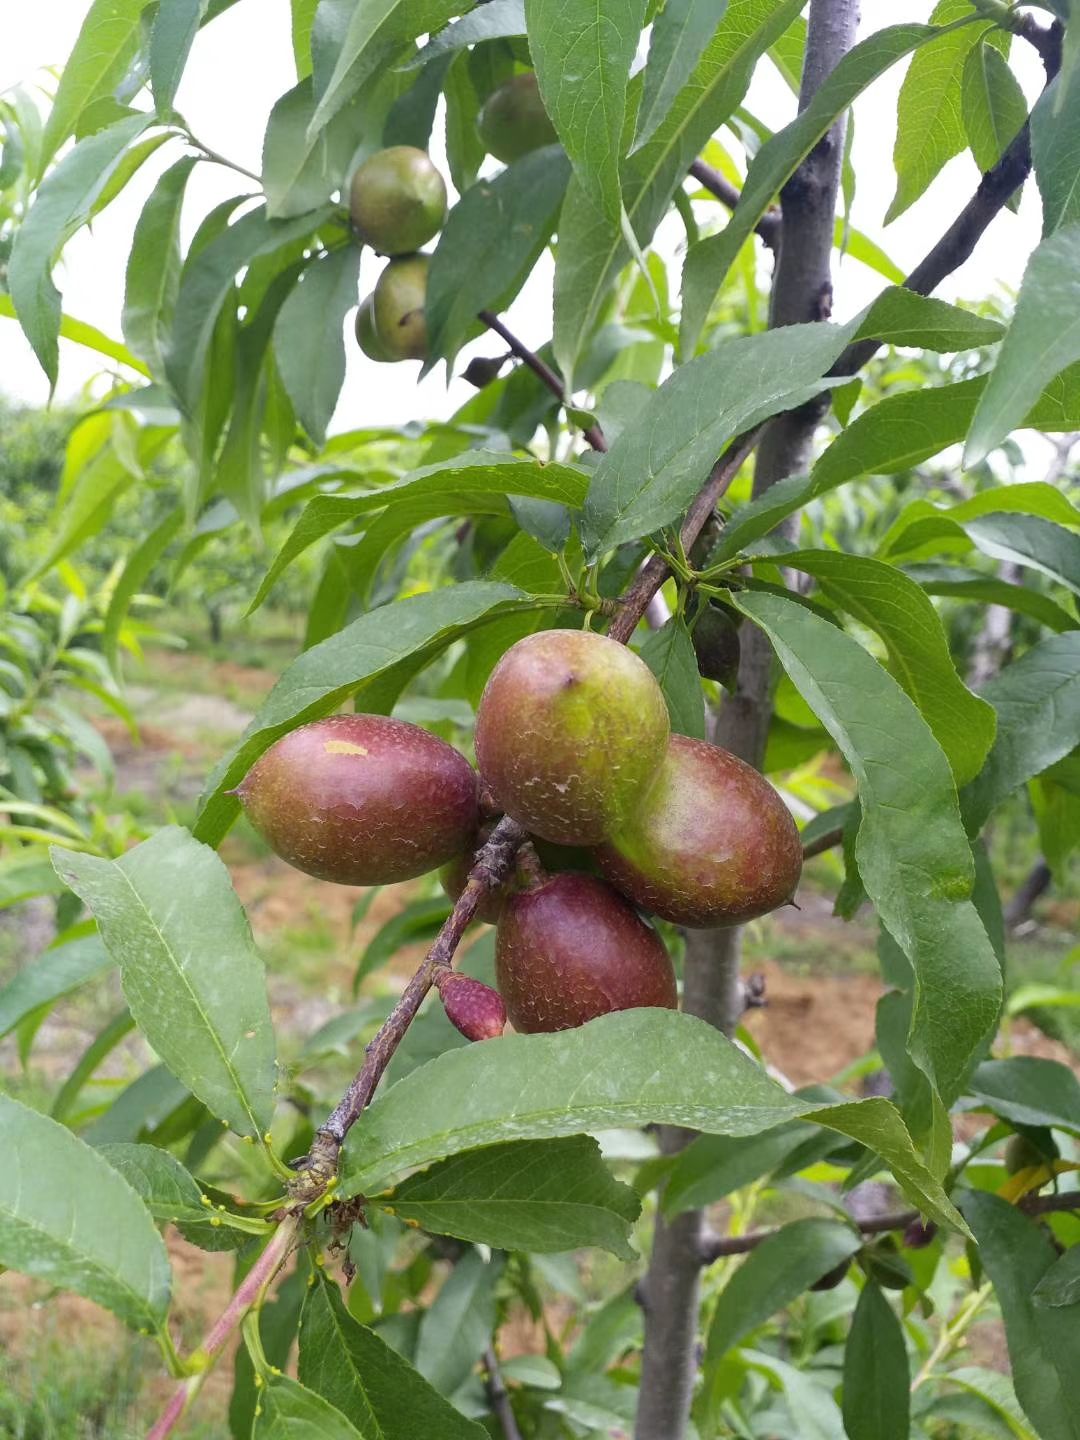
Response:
column 175, row 27
column 679, row 36
column 892, row 604
column 992, row 104
column 301, row 170
column 459, row 1324
column 708, row 262
column 61, row 206
column 286, row 1411
column 167, row 1190
column 960, row 584
column 656, row 465
column 153, row 269
column 912, row 852
column 582, row 54
column 372, row 659
column 56, row 972
column 349, row 1366
column 537, row 1195
column 923, row 527
column 929, row 130
column 143, row 1109
column 1042, row 340
column 309, row 340
column 89, row 336
column 1055, row 136
column 877, row 1376
column 495, row 20
column 712, row 1166
column 996, row 1391
column 1026, row 540
column 103, row 1043
column 1042, row 1341
column 1029, row 1091
column 1037, row 699
column 814, row 1413
column 489, row 245
column 669, row 654
column 67, row 1217
column 775, row 1273
column 592, row 249
column 1060, row 1286
column 464, row 148
column 140, row 564
column 191, row 974
column 107, row 41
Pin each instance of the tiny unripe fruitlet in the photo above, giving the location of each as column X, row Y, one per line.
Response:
column 513, row 121
column 362, row 799
column 570, row 729
column 1022, row 1154
column 716, row 645
column 367, row 337
column 710, row 842
column 471, row 1006
column 397, row 200
column 398, row 308
column 571, row 949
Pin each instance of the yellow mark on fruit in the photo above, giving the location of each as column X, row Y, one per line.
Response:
column 343, row 747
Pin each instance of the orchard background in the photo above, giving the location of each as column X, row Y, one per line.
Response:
column 847, row 548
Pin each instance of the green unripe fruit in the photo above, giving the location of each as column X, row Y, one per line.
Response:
column 570, row 949
column 1022, row 1154
column 710, row 843
column 571, row 728
column 397, row 200
column 398, row 308
column 716, row 645
column 362, row 800
column 367, row 337
column 514, row 121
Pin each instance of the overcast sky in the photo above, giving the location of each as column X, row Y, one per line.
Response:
column 242, row 62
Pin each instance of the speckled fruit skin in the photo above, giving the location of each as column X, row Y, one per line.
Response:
column 397, row 307
column 711, row 842
column 362, row 799
column 571, row 728
column 397, row 200
column 572, row 949
column 513, row 121
column 471, row 1006
column 367, row 337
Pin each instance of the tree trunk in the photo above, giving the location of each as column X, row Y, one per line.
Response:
column 802, row 291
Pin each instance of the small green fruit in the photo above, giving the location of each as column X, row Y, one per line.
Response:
column 716, row 645
column 570, row 729
column 710, row 843
column 362, row 799
column 571, row 949
column 367, row 337
column 1022, row 1154
column 398, row 308
column 514, row 121
column 397, row 200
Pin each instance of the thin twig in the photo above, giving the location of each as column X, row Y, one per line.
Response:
column 500, row 1396
column 594, row 435
column 1049, row 1204
column 828, row 841
column 768, row 227
column 716, row 1247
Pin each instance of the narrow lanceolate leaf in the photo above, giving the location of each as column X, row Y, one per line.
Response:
column 708, row 262
column 107, row 41
column 309, row 339
column 1055, row 148
column 286, row 1411
column 175, row 27
column 877, row 1376
column 889, row 602
column 539, row 1195
column 669, row 654
column 351, row 1368
column 139, row 565
column 658, row 463
column 489, row 245
column 493, row 21
column 68, row 1218
column 153, row 269
column 592, row 249
column 1037, row 700
column 61, row 206
column 679, row 35
column 929, row 128
column 1060, row 1285
column 456, row 1328
column 774, row 1274
column 191, row 974
column 913, row 854
column 1029, row 1091
column 582, row 51
column 1027, row 540
column 992, row 104
column 1042, row 340
column 961, row 584
column 371, row 659
column 55, row 973
column 1016, row 1255
column 301, row 170
column 89, row 336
